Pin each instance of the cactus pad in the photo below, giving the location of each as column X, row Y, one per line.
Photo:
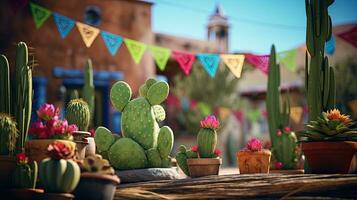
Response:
column 103, row 139
column 120, row 95
column 158, row 92
column 159, row 113
column 154, row 158
column 165, row 141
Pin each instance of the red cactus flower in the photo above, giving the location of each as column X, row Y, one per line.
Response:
column 217, row 152
column 22, row 158
column 287, row 129
column 254, row 144
column 210, row 122
column 194, row 148
column 59, row 150
column 278, row 165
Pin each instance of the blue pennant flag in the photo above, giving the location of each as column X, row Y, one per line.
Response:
column 209, row 62
column 64, row 24
column 330, row 45
column 112, row 41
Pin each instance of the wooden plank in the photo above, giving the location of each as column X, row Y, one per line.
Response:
column 244, row 186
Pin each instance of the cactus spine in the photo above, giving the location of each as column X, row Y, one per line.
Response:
column 88, row 88
column 319, row 76
column 207, row 141
column 78, row 113
column 284, row 144
column 25, row 175
column 8, row 134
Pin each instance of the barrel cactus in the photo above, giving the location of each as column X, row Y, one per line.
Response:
column 284, row 141
column 144, row 144
column 25, row 175
column 8, row 134
column 58, row 173
column 78, row 113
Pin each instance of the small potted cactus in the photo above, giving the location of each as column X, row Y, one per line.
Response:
column 59, row 174
column 202, row 160
column 78, row 113
column 329, row 143
column 253, row 158
column 98, row 179
column 48, row 129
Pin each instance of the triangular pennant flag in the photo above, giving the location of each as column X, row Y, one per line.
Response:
column 253, row 115
column 234, row 63
column 288, row 59
column 136, row 49
column 161, row 55
column 88, row 33
column 224, row 113
column 204, row 108
column 185, row 60
column 64, row 24
column 111, row 41
column 40, row 14
column 260, row 62
column 209, row 62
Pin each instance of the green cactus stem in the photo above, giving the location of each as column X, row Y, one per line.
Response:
column 8, row 134
column 207, row 141
column 154, row 158
column 78, row 113
column 25, row 175
column 103, row 138
column 4, row 85
column 165, row 141
column 88, row 90
column 73, row 95
column 320, row 80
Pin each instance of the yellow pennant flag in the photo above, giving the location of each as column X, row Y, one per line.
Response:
column 234, row 63
column 88, row 33
column 224, row 113
column 296, row 114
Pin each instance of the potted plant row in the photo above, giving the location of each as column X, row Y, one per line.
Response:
column 203, row 159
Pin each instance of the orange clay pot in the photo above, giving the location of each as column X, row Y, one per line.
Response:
column 250, row 162
column 203, row 166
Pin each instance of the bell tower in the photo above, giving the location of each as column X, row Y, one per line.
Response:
column 218, row 29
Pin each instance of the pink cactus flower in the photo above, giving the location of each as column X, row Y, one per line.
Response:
column 71, row 128
column 194, row 148
column 38, row 129
column 254, row 144
column 91, row 131
column 47, row 112
column 287, row 129
column 278, row 132
column 22, row 158
column 210, row 122
column 217, row 152
column 278, row 165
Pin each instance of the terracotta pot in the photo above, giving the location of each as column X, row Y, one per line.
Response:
column 90, row 149
column 94, row 186
column 24, row 193
column 80, row 135
column 81, row 149
column 7, row 168
column 36, row 150
column 250, row 162
column 329, row 157
column 56, row 196
column 203, row 166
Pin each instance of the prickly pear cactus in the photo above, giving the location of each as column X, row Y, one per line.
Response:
column 144, row 143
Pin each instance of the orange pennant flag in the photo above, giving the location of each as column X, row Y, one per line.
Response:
column 88, row 33
column 234, row 63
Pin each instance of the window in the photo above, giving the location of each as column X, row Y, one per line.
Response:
column 92, row 15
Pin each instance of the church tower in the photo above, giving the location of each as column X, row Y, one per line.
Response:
column 218, row 29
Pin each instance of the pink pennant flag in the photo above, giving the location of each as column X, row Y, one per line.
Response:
column 185, row 60
column 259, row 61
column 239, row 115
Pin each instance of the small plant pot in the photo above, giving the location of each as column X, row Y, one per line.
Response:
column 90, row 149
column 203, row 166
column 7, row 168
column 56, row 196
column 94, row 186
column 80, row 135
column 329, row 157
column 36, row 150
column 81, row 149
column 23, row 193
column 250, row 162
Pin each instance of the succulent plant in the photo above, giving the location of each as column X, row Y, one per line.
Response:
column 96, row 164
column 16, row 98
column 207, row 137
column 78, row 113
column 283, row 145
column 25, row 175
column 88, row 90
column 331, row 125
column 58, row 173
column 144, row 144
column 8, row 134
column 319, row 76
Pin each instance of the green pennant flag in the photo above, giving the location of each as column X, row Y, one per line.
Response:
column 288, row 59
column 204, row 108
column 253, row 115
column 40, row 14
column 161, row 56
column 136, row 49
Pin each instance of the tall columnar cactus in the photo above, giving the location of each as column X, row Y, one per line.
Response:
column 78, row 113
column 283, row 145
column 73, row 94
column 319, row 76
column 88, row 88
column 8, row 134
column 144, row 143
column 25, row 175
column 207, row 137
column 58, row 173
column 4, row 85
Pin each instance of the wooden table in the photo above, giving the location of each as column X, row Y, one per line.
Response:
column 264, row 186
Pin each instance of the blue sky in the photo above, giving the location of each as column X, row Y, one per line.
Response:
column 255, row 24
